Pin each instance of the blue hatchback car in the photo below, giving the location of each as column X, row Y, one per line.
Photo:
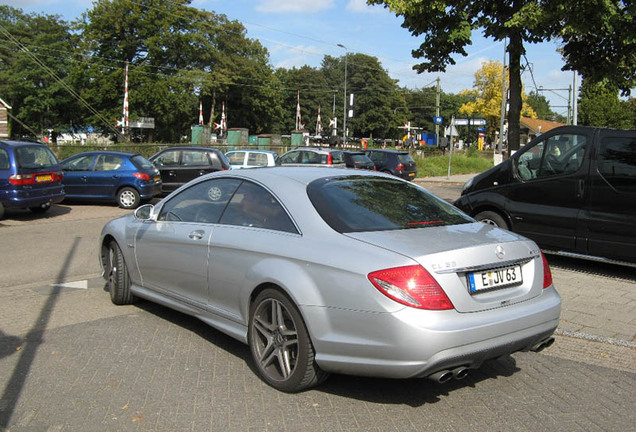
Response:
column 30, row 177
column 123, row 177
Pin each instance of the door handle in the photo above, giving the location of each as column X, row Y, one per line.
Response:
column 196, row 234
column 580, row 188
column 171, row 173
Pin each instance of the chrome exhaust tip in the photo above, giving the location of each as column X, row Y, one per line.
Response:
column 460, row 372
column 441, row 376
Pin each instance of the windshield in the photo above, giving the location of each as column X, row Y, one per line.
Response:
column 358, row 203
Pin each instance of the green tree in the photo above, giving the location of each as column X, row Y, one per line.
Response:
column 541, row 106
column 447, row 28
column 34, row 72
column 178, row 56
column 599, row 105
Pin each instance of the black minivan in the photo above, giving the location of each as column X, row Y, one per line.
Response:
column 30, row 177
column 572, row 190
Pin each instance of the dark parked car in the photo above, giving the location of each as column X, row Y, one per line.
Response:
column 126, row 178
column 358, row 160
column 572, row 190
column 179, row 165
column 317, row 272
column 313, row 156
column 30, row 177
column 398, row 163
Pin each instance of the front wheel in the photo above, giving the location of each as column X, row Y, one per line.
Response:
column 280, row 345
column 128, row 198
column 118, row 277
column 492, row 218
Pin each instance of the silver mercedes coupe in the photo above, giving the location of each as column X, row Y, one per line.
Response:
column 335, row 271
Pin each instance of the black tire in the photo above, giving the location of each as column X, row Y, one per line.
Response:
column 118, row 279
column 492, row 218
column 1, row 211
column 128, row 198
column 41, row 208
column 281, row 349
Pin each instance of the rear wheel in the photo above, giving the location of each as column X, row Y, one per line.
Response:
column 128, row 198
column 492, row 218
column 1, row 211
column 280, row 345
column 41, row 208
column 118, row 277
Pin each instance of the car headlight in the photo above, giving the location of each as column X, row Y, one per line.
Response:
column 468, row 184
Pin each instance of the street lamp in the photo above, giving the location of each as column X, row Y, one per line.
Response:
column 344, row 114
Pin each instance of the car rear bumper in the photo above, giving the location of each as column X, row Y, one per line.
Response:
column 151, row 190
column 413, row 343
column 26, row 198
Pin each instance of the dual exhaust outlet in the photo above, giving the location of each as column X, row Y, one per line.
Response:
column 443, row 376
column 461, row 372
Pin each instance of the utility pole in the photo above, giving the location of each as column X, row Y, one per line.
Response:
column 437, row 109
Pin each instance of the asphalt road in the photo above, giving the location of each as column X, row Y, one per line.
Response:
column 72, row 361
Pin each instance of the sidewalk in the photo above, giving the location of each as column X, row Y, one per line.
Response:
column 460, row 179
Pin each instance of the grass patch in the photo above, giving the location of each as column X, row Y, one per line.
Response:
column 437, row 165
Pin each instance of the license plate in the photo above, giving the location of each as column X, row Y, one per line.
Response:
column 157, row 178
column 411, row 174
column 495, row 278
column 44, row 178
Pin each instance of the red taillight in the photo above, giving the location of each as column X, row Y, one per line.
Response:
column 142, row 176
column 412, row 286
column 329, row 159
column 399, row 167
column 30, row 179
column 547, row 274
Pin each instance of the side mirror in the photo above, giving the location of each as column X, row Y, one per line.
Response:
column 145, row 212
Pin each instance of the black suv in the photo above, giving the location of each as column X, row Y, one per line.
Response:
column 30, row 177
column 179, row 165
column 398, row 163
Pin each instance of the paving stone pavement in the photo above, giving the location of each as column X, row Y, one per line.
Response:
column 72, row 361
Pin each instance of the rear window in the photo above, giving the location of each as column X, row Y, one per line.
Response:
column 142, row 163
column 359, row 203
column 35, row 156
column 405, row 158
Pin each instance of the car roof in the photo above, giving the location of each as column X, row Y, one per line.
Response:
column 106, row 152
column 13, row 143
column 190, row 148
column 326, row 149
column 387, row 151
column 303, row 175
column 251, row 151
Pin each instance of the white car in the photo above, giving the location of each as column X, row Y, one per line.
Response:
column 252, row 158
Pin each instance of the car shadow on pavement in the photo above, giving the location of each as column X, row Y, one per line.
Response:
column 413, row 392
column 25, row 215
column 9, row 344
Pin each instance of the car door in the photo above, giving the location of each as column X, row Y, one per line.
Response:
column 168, row 162
column 76, row 171
column 194, row 163
column 105, row 178
column 545, row 198
column 172, row 252
column 609, row 217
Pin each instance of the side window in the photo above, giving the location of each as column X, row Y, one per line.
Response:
column 202, row 203
column 4, row 160
column 254, row 206
column 310, row 157
column 108, row 163
column 617, row 163
column 236, row 158
column 195, row 157
column 557, row 155
column 337, row 157
column 82, row 163
column 291, row 157
column 259, row 159
column 169, row 158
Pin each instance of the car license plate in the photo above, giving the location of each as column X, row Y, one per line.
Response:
column 495, row 278
column 157, row 178
column 44, row 178
column 411, row 174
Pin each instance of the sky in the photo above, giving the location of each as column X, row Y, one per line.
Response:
column 302, row 32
